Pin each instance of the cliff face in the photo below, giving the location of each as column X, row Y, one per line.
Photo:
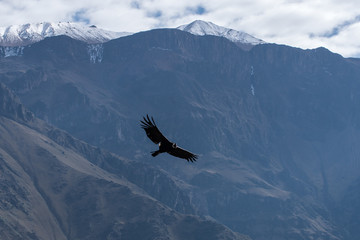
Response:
column 11, row 106
column 52, row 189
column 276, row 127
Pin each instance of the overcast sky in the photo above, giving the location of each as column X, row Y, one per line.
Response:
column 334, row 24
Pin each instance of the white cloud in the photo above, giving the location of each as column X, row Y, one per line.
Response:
column 300, row 23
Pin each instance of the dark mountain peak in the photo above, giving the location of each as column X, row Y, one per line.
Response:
column 169, row 43
column 59, row 49
column 11, row 107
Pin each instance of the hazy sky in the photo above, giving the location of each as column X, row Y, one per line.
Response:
column 333, row 24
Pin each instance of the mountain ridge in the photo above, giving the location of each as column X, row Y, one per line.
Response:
column 26, row 34
column 202, row 28
column 22, row 35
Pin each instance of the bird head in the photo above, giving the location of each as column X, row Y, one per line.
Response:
column 174, row 145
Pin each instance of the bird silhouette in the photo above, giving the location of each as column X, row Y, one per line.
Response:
column 148, row 124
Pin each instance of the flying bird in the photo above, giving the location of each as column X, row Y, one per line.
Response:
column 164, row 144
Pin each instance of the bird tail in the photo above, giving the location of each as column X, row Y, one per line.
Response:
column 155, row 153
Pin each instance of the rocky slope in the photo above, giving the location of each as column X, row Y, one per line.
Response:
column 52, row 188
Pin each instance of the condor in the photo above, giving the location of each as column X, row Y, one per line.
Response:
column 164, row 144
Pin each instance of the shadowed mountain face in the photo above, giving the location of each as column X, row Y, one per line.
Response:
column 276, row 127
column 52, row 189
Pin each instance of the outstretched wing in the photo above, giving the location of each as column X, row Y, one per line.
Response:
column 182, row 153
column 151, row 130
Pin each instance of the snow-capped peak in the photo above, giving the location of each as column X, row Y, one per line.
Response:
column 201, row 28
column 21, row 35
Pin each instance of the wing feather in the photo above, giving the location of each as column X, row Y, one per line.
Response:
column 151, row 130
column 182, row 153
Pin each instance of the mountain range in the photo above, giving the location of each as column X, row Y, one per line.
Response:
column 276, row 128
column 21, row 35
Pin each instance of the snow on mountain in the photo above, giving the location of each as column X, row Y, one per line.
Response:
column 21, row 35
column 11, row 51
column 202, row 28
column 95, row 52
